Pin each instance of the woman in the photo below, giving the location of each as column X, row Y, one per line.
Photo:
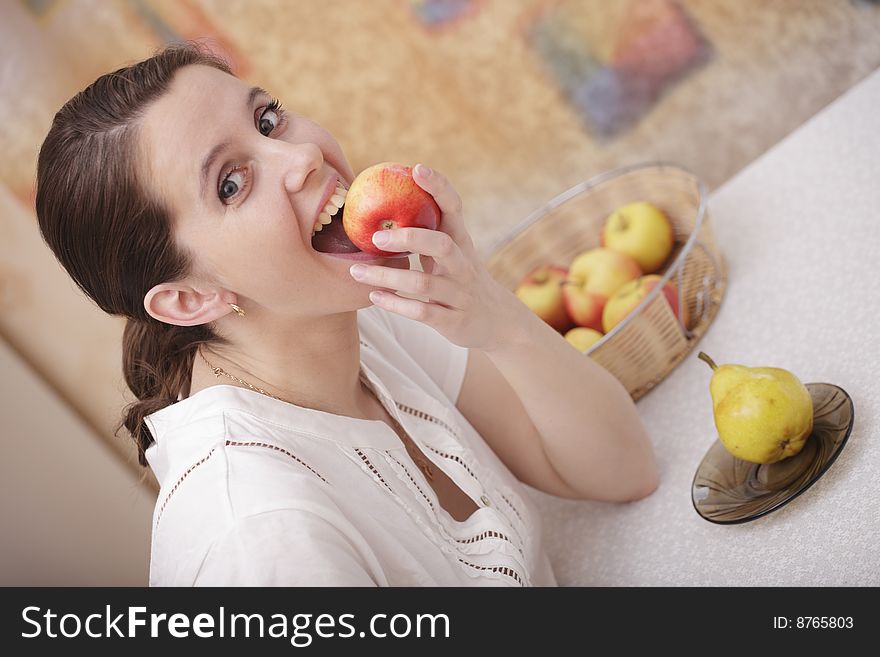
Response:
column 303, row 430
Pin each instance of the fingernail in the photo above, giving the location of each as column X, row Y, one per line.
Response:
column 358, row 271
column 381, row 238
column 424, row 171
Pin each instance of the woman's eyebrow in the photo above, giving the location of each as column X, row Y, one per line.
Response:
column 222, row 147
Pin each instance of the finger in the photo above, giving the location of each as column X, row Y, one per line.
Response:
column 429, row 313
column 439, row 245
column 438, row 186
column 435, row 288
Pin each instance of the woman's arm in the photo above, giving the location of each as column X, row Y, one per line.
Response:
column 560, row 421
column 566, row 420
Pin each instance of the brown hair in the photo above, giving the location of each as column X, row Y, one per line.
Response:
column 112, row 236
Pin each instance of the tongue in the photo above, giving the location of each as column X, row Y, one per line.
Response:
column 332, row 238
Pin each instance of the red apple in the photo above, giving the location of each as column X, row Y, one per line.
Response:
column 593, row 276
column 382, row 197
column 630, row 295
column 541, row 291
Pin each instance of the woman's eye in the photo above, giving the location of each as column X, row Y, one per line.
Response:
column 230, row 186
column 270, row 118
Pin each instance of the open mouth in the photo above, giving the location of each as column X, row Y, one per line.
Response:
column 328, row 235
column 331, row 237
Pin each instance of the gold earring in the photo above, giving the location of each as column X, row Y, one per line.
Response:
column 238, row 310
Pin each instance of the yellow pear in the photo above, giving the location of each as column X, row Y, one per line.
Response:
column 763, row 414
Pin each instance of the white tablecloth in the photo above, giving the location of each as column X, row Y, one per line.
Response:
column 800, row 231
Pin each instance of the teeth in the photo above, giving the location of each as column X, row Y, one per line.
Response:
column 331, row 208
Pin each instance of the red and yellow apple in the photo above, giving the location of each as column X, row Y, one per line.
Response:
column 582, row 338
column 641, row 231
column 541, row 290
column 630, row 295
column 383, row 197
column 593, row 277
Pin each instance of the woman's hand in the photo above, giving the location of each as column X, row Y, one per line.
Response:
column 465, row 304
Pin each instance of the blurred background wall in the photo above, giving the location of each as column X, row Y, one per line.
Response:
column 514, row 100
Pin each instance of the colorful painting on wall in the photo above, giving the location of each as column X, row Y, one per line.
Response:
column 435, row 15
column 653, row 45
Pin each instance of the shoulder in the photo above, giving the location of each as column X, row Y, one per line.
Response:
column 241, row 477
column 263, row 474
column 303, row 545
column 255, row 515
column 292, row 546
column 221, row 479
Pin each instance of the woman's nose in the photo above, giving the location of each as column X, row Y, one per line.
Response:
column 297, row 162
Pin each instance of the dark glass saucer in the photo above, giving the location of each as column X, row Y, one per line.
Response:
column 728, row 490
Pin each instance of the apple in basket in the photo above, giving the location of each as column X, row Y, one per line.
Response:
column 382, row 197
column 582, row 338
column 593, row 277
column 541, row 290
column 624, row 301
column 642, row 231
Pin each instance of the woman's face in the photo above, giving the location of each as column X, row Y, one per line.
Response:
column 248, row 220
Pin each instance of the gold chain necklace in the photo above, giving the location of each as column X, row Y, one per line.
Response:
column 219, row 371
column 408, row 443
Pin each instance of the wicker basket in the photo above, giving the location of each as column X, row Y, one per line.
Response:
column 647, row 345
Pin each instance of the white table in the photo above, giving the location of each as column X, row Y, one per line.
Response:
column 800, row 231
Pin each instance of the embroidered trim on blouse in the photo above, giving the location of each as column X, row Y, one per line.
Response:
column 490, row 533
column 428, row 417
column 230, row 443
column 253, row 443
column 464, row 541
column 452, row 457
column 510, row 572
column 373, row 469
column 510, row 504
column 427, row 499
column 504, row 570
column 180, row 481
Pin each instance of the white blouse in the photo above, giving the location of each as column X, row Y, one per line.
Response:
column 260, row 492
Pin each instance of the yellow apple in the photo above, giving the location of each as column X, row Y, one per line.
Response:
column 541, row 290
column 582, row 338
column 593, row 276
column 642, row 231
column 630, row 295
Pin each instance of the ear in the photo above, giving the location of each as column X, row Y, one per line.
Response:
column 183, row 305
